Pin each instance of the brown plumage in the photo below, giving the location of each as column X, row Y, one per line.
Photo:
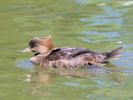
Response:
column 46, row 55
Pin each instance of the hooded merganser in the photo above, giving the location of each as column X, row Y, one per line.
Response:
column 48, row 56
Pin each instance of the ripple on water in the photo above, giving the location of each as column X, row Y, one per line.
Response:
column 72, row 84
column 26, row 64
column 75, row 84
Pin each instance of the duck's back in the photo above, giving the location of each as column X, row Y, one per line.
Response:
column 84, row 54
column 67, row 53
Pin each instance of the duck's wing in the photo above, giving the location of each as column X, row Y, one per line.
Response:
column 67, row 53
column 96, row 58
column 79, row 51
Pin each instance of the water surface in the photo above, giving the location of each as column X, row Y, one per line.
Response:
column 100, row 25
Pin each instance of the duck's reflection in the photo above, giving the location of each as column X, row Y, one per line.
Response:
column 42, row 78
column 45, row 77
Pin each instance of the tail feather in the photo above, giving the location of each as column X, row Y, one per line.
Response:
column 114, row 53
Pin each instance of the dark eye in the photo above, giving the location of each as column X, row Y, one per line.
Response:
column 33, row 44
column 36, row 45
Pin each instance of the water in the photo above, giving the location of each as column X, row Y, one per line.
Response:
column 100, row 25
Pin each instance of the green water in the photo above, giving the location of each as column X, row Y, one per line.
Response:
column 100, row 25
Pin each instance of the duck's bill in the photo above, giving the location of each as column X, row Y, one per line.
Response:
column 25, row 50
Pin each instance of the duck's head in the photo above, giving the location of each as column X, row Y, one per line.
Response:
column 40, row 45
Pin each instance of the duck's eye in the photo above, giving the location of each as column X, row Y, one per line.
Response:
column 33, row 44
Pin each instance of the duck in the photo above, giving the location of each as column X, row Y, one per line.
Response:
column 46, row 55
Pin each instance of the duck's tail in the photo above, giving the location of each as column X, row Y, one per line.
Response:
column 114, row 53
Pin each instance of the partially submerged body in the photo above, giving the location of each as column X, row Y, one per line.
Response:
column 47, row 56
